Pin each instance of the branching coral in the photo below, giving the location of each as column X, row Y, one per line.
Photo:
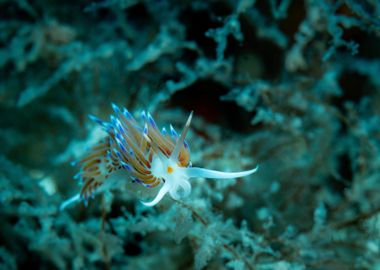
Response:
column 291, row 84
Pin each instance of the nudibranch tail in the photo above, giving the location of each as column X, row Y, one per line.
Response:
column 149, row 156
column 72, row 200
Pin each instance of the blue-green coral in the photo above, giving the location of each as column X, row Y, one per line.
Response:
column 291, row 85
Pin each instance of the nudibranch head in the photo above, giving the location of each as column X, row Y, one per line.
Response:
column 151, row 157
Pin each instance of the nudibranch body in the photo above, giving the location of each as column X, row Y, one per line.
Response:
column 151, row 157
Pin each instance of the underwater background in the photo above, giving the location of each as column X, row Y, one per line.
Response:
column 293, row 86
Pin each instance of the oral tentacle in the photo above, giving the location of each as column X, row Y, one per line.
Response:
column 205, row 173
column 186, row 187
column 158, row 197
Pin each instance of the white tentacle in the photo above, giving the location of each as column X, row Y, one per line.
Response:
column 205, row 173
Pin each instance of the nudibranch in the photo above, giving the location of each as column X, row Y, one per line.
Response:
column 149, row 156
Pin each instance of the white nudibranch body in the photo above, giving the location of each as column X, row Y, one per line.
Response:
column 174, row 177
column 151, row 158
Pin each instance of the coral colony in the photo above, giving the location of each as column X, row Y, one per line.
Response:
column 291, row 85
